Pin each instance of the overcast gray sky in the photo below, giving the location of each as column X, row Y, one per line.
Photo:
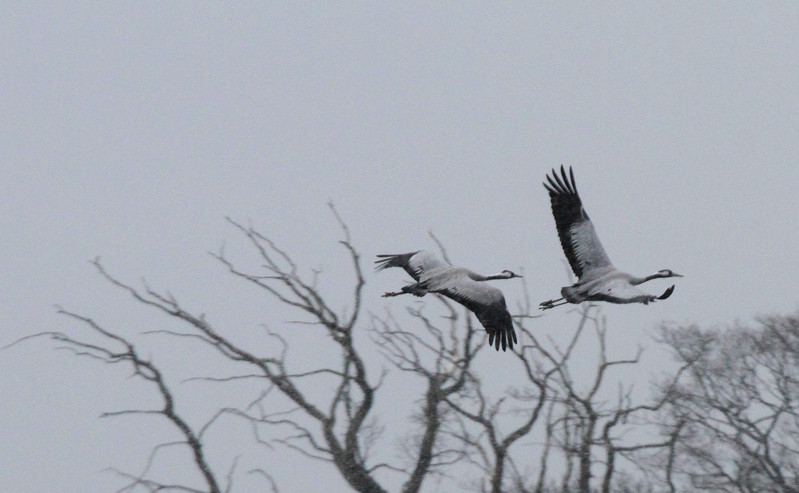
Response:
column 131, row 129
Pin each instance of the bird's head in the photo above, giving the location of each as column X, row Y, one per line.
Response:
column 507, row 274
column 667, row 273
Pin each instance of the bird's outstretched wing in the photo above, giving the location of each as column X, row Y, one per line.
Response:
column 414, row 263
column 488, row 304
column 577, row 235
column 485, row 301
column 621, row 291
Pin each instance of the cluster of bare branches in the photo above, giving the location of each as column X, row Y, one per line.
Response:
column 340, row 419
column 734, row 414
column 546, row 426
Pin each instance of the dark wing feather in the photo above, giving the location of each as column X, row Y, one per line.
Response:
column 414, row 263
column 488, row 305
column 666, row 293
column 575, row 230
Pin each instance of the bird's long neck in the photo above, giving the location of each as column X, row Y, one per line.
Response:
column 478, row 277
column 640, row 280
column 501, row 275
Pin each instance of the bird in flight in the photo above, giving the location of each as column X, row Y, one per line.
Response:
column 598, row 279
column 433, row 275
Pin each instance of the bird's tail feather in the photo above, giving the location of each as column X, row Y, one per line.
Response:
column 393, row 260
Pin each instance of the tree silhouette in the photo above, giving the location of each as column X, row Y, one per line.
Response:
column 733, row 416
column 473, row 425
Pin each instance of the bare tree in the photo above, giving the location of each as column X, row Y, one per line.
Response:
column 733, row 417
column 587, row 429
column 467, row 429
column 339, row 420
column 590, row 428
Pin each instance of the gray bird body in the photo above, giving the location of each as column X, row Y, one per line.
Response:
column 598, row 279
column 468, row 288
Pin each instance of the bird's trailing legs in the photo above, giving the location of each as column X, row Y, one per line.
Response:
column 546, row 305
column 412, row 289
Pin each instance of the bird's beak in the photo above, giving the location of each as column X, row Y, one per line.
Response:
column 674, row 274
column 517, row 275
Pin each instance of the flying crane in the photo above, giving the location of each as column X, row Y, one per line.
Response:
column 468, row 288
column 598, row 279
